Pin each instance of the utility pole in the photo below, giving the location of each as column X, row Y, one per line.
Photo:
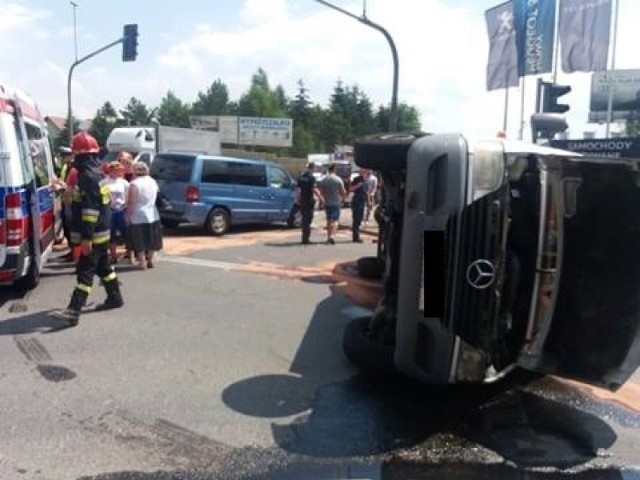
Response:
column 75, row 28
column 393, row 113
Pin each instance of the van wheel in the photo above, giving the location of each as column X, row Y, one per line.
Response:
column 217, row 222
column 295, row 218
column 384, row 151
column 364, row 352
column 31, row 279
column 370, row 267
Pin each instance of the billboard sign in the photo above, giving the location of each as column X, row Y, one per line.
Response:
column 227, row 126
column 626, row 94
column 268, row 132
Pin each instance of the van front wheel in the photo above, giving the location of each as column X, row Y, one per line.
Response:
column 217, row 222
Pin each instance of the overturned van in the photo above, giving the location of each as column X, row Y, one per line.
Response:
column 507, row 255
column 29, row 208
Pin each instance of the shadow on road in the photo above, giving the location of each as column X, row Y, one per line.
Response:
column 338, row 414
column 39, row 322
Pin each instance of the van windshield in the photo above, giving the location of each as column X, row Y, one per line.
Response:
column 172, row 167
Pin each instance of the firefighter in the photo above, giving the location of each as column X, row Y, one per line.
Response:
column 90, row 228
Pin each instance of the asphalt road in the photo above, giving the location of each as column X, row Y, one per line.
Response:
column 226, row 363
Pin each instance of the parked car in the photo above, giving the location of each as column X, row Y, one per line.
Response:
column 218, row 192
column 503, row 256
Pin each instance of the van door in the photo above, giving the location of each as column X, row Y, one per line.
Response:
column 281, row 187
column 29, row 151
column 591, row 328
column 252, row 198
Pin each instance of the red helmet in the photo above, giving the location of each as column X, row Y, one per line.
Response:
column 84, row 143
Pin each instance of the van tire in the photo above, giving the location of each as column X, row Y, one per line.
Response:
column 363, row 352
column 217, row 222
column 370, row 267
column 384, row 152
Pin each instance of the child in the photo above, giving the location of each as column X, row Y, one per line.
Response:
column 119, row 190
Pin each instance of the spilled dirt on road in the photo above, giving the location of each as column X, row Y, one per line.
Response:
column 183, row 245
column 628, row 395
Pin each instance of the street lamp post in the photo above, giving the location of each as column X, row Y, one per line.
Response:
column 393, row 113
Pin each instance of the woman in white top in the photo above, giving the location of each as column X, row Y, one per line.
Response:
column 145, row 231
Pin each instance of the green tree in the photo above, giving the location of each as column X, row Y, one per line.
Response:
column 215, row 101
column 136, row 113
column 104, row 121
column 173, row 112
column 260, row 100
column 408, row 118
column 62, row 140
column 300, row 107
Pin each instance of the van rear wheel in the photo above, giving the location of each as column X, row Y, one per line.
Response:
column 217, row 222
column 384, row 152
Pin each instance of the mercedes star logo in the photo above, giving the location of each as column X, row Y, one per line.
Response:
column 480, row 274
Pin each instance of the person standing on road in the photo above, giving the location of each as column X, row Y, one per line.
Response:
column 334, row 193
column 306, row 192
column 372, row 191
column 119, row 190
column 359, row 199
column 143, row 218
column 90, row 222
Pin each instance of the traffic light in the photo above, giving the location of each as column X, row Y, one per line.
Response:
column 130, row 43
column 550, row 94
column 547, row 125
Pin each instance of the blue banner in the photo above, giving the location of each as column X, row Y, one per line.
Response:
column 535, row 22
column 584, row 30
column 502, row 67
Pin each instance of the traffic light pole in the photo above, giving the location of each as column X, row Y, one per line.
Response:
column 73, row 66
column 393, row 111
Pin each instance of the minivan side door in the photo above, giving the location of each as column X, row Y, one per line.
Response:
column 282, row 189
column 252, row 199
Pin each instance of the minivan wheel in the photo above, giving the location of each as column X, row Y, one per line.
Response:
column 217, row 222
column 384, row 151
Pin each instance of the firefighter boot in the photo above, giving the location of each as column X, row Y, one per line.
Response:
column 71, row 314
column 114, row 297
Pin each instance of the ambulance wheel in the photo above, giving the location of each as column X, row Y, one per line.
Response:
column 384, row 151
column 31, row 279
column 217, row 222
column 365, row 353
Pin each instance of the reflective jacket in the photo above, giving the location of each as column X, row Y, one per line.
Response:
column 90, row 209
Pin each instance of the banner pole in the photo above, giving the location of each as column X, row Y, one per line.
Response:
column 521, row 132
column 506, row 109
column 556, row 53
column 612, row 72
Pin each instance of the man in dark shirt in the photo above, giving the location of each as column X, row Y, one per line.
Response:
column 306, row 190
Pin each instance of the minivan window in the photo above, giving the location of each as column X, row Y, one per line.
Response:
column 249, row 174
column 172, row 167
column 279, row 178
column 216, row 171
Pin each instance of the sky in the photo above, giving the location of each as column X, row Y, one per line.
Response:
column 184, row 46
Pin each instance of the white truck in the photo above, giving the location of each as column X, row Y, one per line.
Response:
column 142, row 143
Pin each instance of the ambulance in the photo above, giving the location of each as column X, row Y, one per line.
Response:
column 29, row 207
